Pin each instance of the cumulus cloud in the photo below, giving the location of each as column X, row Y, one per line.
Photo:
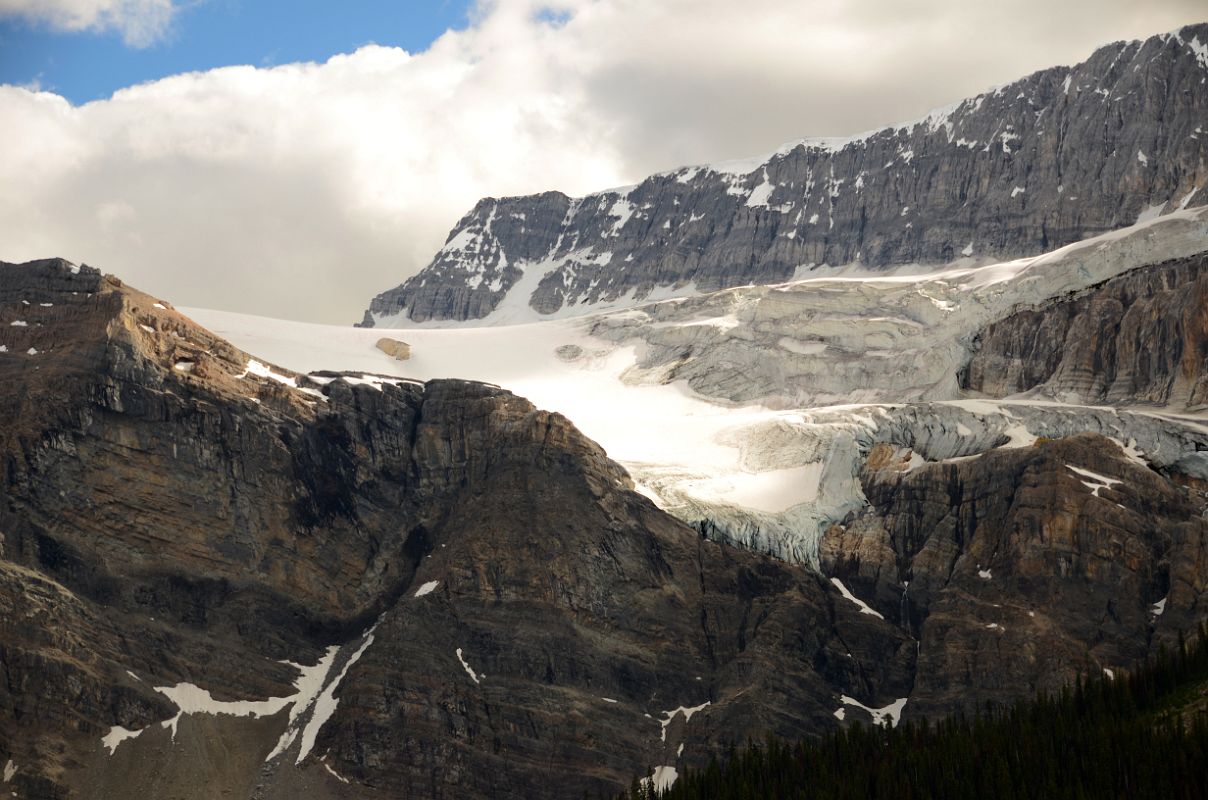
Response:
column 140, row 22
column 301, row 190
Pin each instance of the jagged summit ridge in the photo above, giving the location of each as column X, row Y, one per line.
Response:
column 1061, row 155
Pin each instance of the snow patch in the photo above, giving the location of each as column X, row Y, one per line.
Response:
column 10, row 769
column 661, row 780
column 309, row 683
column 687, row 175
column 473, row 675
column 1097, row 481
column 19, row 323
column 1131, row 452
column 760, row 194
column 984, row 574
column 258, row 369
column 1159, row 607
column 326, row 703
column 254, row 367
column 373, row 381
column 1199, row 50
column 891, row 713
column 427, row 588
column 117, row 734
column 192, row 699
column 687, row 712
column 337, row 775
column 864, row 607
column 622, row 209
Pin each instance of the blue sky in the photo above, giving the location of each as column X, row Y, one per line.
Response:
column 87, row 65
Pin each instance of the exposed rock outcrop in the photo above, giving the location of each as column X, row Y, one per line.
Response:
column 1020, row 567
column 474, row 591
column 220, row 576
column 1141, row 337
column 1064, row 154
column 398, row 350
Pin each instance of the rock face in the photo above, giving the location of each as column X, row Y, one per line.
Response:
column 1056, row 157
column 1141, row 337
column 336, row 589
column 1018, row 566
column 220, row 577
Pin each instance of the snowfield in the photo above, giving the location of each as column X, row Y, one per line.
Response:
column 749, row 410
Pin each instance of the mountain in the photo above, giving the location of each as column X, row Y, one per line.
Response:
column 748, row 412
column 220, row 576
column 723, row 494
column 1062, row 155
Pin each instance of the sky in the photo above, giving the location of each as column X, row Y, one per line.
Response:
column 293, row 159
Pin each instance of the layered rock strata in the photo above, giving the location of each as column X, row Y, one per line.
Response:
column 1059, row 156
column 222, row 576
column 1141, row 337
column 1018, row 566
column 219, row 576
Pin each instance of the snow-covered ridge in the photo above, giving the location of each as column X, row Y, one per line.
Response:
column 966, row 179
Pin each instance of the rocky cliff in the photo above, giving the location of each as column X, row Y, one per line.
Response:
column 1141, row 337
column 1012, row 565
column 221, row 578
column 1053, row 158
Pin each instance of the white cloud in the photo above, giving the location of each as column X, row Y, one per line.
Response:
column 140, row 22
column 302, row 190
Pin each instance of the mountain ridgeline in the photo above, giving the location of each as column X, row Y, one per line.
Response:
column 220, row 578
column 223, row 578
column 1061, row 155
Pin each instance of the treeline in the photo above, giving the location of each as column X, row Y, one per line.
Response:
column 1137, row 736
